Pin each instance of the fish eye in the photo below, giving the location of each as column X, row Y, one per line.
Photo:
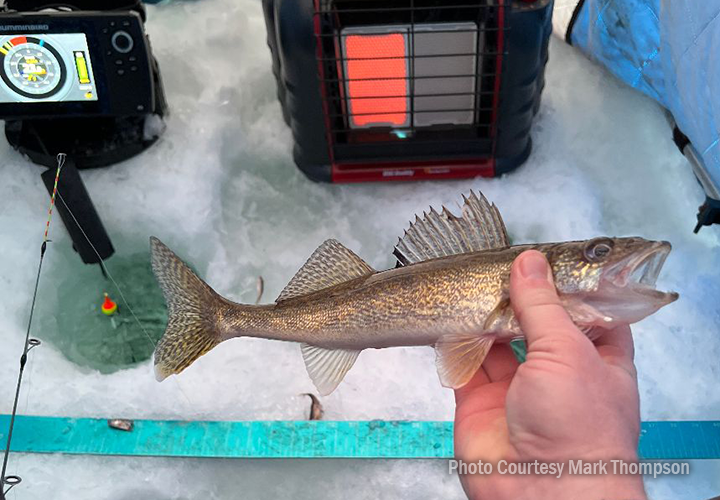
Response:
column 597, row 250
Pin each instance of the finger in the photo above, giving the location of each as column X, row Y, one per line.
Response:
column 480, row 396
column 501, row 364
column 537, row 305
column 616, row 347
column 479, row 380
column 619, row 339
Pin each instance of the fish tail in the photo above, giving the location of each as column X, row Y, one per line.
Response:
column 192, row 328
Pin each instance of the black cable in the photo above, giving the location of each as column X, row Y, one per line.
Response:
column 573, row 20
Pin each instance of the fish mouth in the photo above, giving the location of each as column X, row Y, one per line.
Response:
column 639, row 272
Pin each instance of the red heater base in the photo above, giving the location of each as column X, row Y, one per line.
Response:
column 413, row 171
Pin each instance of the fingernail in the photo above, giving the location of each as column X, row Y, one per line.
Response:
column 534, row 266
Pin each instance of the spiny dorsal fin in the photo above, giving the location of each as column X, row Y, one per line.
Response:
column 442, row 234
column 327, row 367
column 331, row 264
column 459, row 356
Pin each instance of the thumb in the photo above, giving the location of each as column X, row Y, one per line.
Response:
column 537, row 306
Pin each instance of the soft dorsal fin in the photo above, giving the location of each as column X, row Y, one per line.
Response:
column 330, row 265
column 327, row 367
column 442, row 234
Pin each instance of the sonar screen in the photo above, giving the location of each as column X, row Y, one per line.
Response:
column 46, row 68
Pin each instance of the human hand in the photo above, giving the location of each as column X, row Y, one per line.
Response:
column 570, row 400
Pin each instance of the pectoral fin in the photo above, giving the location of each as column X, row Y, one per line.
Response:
column 327, row 367
column 459, row 356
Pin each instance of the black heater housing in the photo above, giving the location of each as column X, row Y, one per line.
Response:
column 409, row 89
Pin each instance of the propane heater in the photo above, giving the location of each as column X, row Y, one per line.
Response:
column 408, row 89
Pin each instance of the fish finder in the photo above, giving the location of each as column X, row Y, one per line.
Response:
column 79, row 78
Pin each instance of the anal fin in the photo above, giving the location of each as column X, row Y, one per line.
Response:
column 459, row 356
column 327, row 367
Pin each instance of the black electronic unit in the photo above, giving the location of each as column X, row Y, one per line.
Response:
column 78, row 78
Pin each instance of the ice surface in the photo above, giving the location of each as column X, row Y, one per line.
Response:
column 220, row 188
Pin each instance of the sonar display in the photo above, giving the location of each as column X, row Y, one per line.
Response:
column 46, row 68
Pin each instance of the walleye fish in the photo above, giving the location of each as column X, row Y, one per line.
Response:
column 450, row 291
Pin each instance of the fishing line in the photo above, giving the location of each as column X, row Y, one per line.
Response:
column 106, row 273
column 5, row 480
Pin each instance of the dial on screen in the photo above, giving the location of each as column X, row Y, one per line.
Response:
column 46, row 68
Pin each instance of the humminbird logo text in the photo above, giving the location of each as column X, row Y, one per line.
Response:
column 24, row 27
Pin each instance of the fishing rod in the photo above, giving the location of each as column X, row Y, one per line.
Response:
column 9, row 482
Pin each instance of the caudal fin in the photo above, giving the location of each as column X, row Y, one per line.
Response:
column 192, row 328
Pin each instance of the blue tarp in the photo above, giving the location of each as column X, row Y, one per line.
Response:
column 667, row 49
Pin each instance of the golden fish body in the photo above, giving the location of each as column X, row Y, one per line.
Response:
column 406, row 306
column 451, row 291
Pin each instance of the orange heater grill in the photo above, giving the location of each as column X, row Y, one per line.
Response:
column 377, row 94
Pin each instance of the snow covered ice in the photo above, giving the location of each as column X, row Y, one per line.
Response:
column 220, row 188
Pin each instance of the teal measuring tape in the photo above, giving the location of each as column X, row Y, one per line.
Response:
column 304, row 439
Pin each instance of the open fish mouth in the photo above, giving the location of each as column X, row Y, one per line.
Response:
column 639, row 272
column 626, row 292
